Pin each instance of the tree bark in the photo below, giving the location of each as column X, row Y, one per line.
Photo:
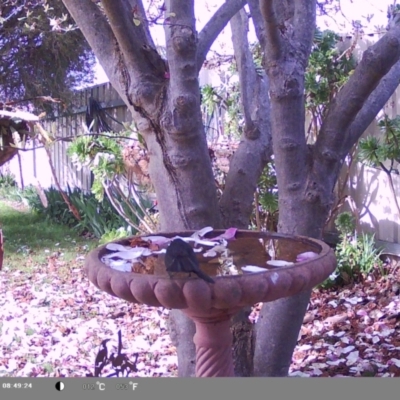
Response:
column 214, row 26
column 283, row 319
column 247, row 164
column 307, row 174
column 255, row 148
column 288, row 30
column 182, row 59
column 347, row 115
column 181, row 330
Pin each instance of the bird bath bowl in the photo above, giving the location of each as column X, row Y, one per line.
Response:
column 211, row 305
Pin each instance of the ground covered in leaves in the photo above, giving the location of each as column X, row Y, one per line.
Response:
column 353, row 331
column 53, row 324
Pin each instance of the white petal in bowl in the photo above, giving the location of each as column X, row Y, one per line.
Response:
column 186, row 239
column 196, row 240
column 116, row 247
column 216, row 249
column 308, row 255
column 121, row 265
column 253, row 268
column 279, row 263
column 162, row 251
column 233, row 270
column 159, row 240
column 205, row 242
column 200, row 233
column 129, row 254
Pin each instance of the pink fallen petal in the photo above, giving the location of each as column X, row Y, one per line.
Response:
column 308, row 255
column 229, row 234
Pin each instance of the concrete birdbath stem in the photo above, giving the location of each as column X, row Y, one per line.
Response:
column 248, row 267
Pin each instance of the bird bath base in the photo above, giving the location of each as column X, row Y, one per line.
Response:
column 211, row 305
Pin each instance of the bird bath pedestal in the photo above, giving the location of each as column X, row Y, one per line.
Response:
column 209, row 305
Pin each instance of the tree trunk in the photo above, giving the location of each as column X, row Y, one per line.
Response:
column 243, row 343
column 287, row 45
column 277, row 332
column 280, row 321
column 181, row 330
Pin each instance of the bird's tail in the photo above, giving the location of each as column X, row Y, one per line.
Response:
column 204, row 276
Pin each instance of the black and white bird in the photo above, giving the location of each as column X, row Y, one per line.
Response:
column 180, row 257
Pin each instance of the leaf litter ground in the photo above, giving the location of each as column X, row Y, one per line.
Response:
column 53, row 324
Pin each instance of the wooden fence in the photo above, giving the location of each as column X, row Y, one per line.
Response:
column 34, row 161
column 71, row 125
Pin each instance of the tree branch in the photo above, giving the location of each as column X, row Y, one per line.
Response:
column 376, row 62
column 131, row 38
column 181, row 40
column 245, row 65
column 97, row 31
column 284, row 62
column 375, row 103
column 273, row 41
column 258, row 22
column 305, row 10
column 255, row 149
column 214, row 27
column 138, row 4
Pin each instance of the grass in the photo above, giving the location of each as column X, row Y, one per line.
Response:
column 30, row 240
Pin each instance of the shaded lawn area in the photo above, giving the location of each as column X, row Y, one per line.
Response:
column 29, row 239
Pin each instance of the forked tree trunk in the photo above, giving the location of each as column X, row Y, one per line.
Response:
column 164, row 99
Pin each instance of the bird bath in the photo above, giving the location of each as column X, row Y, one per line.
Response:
column 211, row 305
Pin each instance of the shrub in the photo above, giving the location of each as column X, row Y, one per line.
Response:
column 7, row 180
column 115, row 234
column 15, row 194
column 357, row 255
column 97, row 218
column 357, row 258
